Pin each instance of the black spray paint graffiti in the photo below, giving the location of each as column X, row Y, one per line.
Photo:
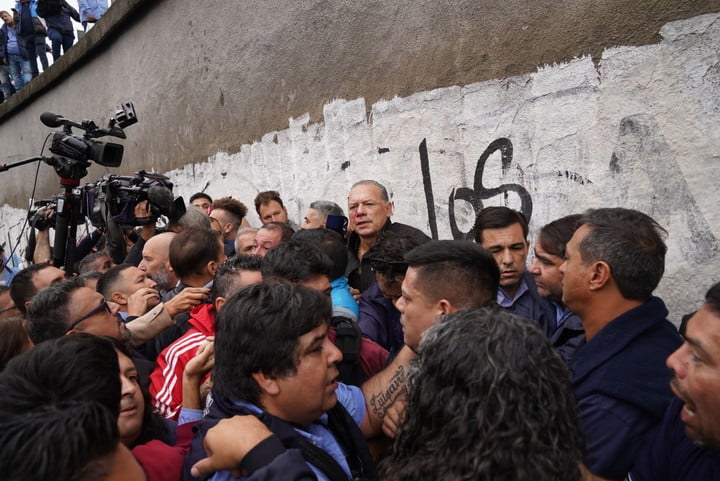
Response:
column 478, row 193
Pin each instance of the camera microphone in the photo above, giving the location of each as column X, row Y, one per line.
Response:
column 160, row 197
column 52, row 120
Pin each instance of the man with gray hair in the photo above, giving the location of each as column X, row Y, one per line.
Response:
column 245, row 240
column 369, row 209
column 316, row 216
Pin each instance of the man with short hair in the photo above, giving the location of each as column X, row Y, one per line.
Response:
column 273, row 358
column 71, row 307
column 687, row 444
column 156, row 261
column 270, row 208
column 370, row 209
column 270, row 236
column 202, row 200
column 504, row 233
column 305, row 264
column 59, row 407
column 549, row 255
column 317, row 213
column 229, row 213
column 95, row 262
column 613, row 262
column 443, row 277
column 30, row 281
column 245, row 240
column 379, row 319
column 130, row 288
column 166, row 379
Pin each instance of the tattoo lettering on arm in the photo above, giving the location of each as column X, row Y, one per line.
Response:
column 380, row 402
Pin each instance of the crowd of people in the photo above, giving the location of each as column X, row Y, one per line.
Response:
column 357, row 348
column 25, row 30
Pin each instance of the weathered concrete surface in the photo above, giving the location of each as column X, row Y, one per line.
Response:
column 635, row 126
column 212, row 76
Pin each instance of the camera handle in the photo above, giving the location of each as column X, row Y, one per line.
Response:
column 66, row 222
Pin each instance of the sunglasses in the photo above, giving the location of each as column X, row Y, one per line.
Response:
column 102, row 306
column 389, row 269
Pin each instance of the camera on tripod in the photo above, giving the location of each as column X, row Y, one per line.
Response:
column 73, row 154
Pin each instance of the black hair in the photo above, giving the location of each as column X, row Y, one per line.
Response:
column 47, row 315
column 107, row 282
column 331, row 244
column 87, row 263
column 712, row 298
column 554, row 236
column 225, row 282
column 387, row 254
column 266, row 197
column 498, row 217
column 631, row 243
column 295, row 262
column 488, row 398
column 22, row 288
column 59, row 404
column 200, row 195
column 460, row 271
column 257, row 330
column 192, row 249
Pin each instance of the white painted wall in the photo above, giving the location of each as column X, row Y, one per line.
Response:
column 641, row 129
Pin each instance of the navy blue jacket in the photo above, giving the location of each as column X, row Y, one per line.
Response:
column 379, row 320
column 672, row 456
column 62, row 21
column 621, row 385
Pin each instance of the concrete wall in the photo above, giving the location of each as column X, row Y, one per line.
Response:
column 626, row 113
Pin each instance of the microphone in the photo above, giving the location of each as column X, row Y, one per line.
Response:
column 161, row 198
column 52, row 120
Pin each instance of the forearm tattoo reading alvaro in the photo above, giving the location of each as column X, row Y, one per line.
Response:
column 380, row 402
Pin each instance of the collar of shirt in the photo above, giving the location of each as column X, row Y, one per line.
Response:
column 506, row 301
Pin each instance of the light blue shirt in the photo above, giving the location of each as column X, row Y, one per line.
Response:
column 343, row 303
column 95, row 8
column 506, row 301
column 352, row 399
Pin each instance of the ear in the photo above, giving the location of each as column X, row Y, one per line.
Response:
column 268, row 384
column 212, row 268
column 119, row 298
column 389, row 206
column 600, row 275
column 219, row 302
column 445, row 307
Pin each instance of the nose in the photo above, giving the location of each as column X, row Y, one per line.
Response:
column 676, row 362
column 400, row 304
column 562, row 267
column 258, row 251
column 127, row 387
column 334, row 354
column 506, row 257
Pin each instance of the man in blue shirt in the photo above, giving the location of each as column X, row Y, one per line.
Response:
column 613, row 263
column 273, row 359
column 504, row 233
column 549, row 256
column 91, row 10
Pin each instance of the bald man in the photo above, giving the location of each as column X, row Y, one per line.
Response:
column 156, row 261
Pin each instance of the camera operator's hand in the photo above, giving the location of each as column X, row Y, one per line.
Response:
column 186, row 300
column 141, row 300
column 143, row 215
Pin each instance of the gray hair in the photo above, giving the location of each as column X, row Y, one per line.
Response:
column 325, row 208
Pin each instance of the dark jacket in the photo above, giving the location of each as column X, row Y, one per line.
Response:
column 4, row 40
column 62, row 21
column 359, row 275
column 622, row 386
column 287, row 442
column 379, row 320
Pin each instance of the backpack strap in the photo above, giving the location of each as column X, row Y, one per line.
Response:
column 348, row 338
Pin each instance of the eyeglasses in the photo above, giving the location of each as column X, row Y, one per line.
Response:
column 99, row 308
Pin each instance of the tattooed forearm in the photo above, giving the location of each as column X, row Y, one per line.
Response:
column 380, row 402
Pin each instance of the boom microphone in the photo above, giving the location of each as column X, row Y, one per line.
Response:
column 52, row 120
